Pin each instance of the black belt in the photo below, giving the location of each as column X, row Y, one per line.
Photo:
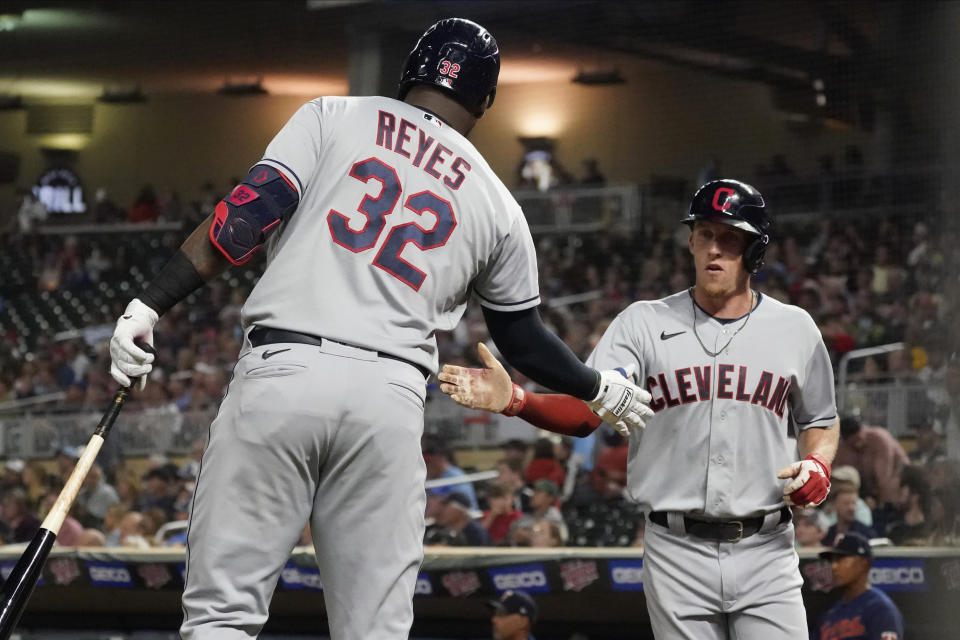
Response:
column 720, row 530
column 265, row 335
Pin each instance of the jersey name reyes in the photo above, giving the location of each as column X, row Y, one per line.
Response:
column 729, row 382
column 413, row 143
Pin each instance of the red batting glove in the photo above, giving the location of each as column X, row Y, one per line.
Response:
column 811, row 481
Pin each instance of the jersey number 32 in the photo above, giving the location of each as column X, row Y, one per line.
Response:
column 377, row 208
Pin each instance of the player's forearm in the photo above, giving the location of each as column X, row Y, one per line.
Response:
column 822, row 442
column 559, row 414
column 191, row 267
column 540, row 355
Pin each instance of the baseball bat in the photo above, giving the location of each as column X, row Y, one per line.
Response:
column 20, row 583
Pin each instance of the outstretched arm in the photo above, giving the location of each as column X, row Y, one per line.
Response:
column 491, row 389
column 540, row 355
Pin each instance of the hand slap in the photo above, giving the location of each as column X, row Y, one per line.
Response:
column 620, row 402
column 489, row 388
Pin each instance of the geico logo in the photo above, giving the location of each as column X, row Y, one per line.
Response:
column 290, row 576
column 898, row 575
column 628, row 575
column 424, row 588
column 520, row 580
column 109, row 574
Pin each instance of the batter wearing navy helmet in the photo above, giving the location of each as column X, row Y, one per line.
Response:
column 379, row 220
column 714, row 470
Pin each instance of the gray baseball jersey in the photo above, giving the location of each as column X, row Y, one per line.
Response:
column 713, row 450
column 399, row 218
column 719, row 435
column 399, row 215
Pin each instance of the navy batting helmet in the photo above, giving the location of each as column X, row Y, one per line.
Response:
column 458, row 56
column 739, row 205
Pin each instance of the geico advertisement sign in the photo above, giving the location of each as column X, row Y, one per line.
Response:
column 109, row 574
column 898, row 574
column 529, row 577
column 626, row 575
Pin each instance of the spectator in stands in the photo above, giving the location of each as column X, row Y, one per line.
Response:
column 501, row 514
column 458, row 526
column 609, row 477
column 573, row 468
column 514, row 614
column 907, row 522
column 544, row 464
column 128, row 532
column 157, row 493
column 145, row 208
column 15, row 512
column 12, row 474
column 36, row 480
column 95, row 497
column 128, row 489
column 515, row 449
column 437, row 456
column 862, row 611
column 542, row 507
column 845, row 503
column 510, row 475
column 929, row 445
column 846, row 478
column 546, row 533
column 808, row 530
column 875, row 454
column 66, row 459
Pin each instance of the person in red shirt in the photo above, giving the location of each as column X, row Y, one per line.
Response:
column 502, row 514
column 544, row 465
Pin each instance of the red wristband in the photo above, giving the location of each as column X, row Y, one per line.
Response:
column 819, row 459
column 518, row 400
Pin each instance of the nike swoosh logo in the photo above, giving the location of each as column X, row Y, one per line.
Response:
column 267, row 354
column 666, row 336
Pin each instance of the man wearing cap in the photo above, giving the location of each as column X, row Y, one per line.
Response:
column 514, row 615
column 542, row 507
column 863, row 613
column 456, row 519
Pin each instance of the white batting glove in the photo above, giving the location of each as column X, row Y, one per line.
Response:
column 127, row 359
column 620, row 402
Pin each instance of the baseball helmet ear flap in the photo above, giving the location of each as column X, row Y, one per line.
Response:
column 754, row 253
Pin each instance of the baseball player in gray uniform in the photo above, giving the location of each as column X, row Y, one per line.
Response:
column 379, row 220
column 728, row 370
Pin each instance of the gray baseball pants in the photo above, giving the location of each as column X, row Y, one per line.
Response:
column 700, row 589
column 328, row 435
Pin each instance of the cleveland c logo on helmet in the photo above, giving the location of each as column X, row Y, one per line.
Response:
column 727, row 196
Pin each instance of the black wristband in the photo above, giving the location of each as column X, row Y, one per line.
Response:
column 178, row 279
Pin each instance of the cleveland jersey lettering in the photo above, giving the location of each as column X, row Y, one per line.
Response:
column 692, row 384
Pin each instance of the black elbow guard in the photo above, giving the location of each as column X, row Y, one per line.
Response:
column 242, row 220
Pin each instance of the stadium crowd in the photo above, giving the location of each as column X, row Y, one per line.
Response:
column 865, row 282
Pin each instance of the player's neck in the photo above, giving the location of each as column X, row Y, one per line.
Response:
column 735, row 304
column 856, row 588
column 445, row 108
